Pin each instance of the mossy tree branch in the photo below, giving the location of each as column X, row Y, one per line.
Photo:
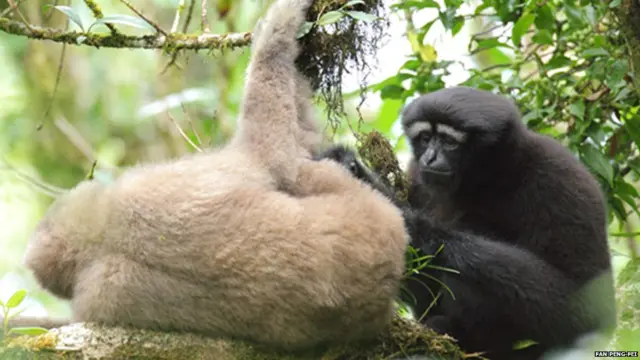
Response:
column 175, row 41
column 81, row 341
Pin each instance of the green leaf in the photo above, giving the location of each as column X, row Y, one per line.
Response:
column 615, row 4
column 543, row 37
column 615, row 76
column 545, row 19
column 519, row 345
column 304, row 29
column 618, row 209
column 593, row 52
column 31, row 331
column 71, row 14
column 330, row 18
column 353, row 3
column 633, row 128
column 362, row 16
column 16, row 299
column 577, row 109
column 520, row 28
column 458, row 23
column 123, row 20
column 574, row 14
column 392, row 92
column 595, row 160
column 558, row 62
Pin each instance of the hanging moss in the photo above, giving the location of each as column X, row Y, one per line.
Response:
column 332, row 50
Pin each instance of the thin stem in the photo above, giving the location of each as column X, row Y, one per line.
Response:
column 205, row 23
column 141, row 15
column 176, row 19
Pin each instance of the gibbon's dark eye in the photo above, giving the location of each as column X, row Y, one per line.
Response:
column 353, row 167
column 449, row 142
column 424, row 137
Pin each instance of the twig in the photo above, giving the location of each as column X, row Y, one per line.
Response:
column 184, row 135
column 187, row 22
column 180, row 41
column 174, row 28
column 47, row 189
column 193, row 128
column 205, row 23
column 55, row 87
column 176, row 19
column 51, row 10
column 141, row 15
column 75, row 138
column 12, row 6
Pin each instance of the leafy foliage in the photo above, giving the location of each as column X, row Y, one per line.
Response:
column 565, row 63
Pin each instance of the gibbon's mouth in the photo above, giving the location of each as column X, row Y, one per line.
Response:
column 435, row 177
column 434, row 172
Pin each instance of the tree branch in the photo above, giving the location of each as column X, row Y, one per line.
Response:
column 175, row 41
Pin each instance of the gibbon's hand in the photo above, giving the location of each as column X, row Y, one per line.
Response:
column 345, row 157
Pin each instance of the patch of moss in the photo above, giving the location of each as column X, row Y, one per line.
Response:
column 378, row 153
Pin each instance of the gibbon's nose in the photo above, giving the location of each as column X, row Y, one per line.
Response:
column 428, row 157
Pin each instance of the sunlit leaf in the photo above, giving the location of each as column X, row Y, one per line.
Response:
column 543, row 37
column 545, row 19
column 577, row 109
column 558, row 62
column 362, row 16
column 416, row 4
column 523, row 344
column 615, row 76
column 615, row 3
column 123, row 20
column 304, row 29
column 330, row 18
column 353, row 3
column 574, row 14
column 520, row 28
column 16, row 299
column 71, row 14
column 458, row 23
column 31, row 331
column 392, row 92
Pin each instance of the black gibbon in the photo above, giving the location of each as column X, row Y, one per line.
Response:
column 521, row 220
column 253, row 241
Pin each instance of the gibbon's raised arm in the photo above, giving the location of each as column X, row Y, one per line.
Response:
column 252, row 241
column 520, row 218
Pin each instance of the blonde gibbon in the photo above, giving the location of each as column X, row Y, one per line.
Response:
column 254, row 240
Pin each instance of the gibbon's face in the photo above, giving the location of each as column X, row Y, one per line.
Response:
column 437, row 149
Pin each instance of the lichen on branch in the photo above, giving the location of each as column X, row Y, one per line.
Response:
column 174, row 41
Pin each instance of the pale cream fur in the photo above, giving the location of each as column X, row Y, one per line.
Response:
column 252, row 241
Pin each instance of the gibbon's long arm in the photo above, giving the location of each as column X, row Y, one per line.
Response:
column 522, row 283
column 270, row 95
